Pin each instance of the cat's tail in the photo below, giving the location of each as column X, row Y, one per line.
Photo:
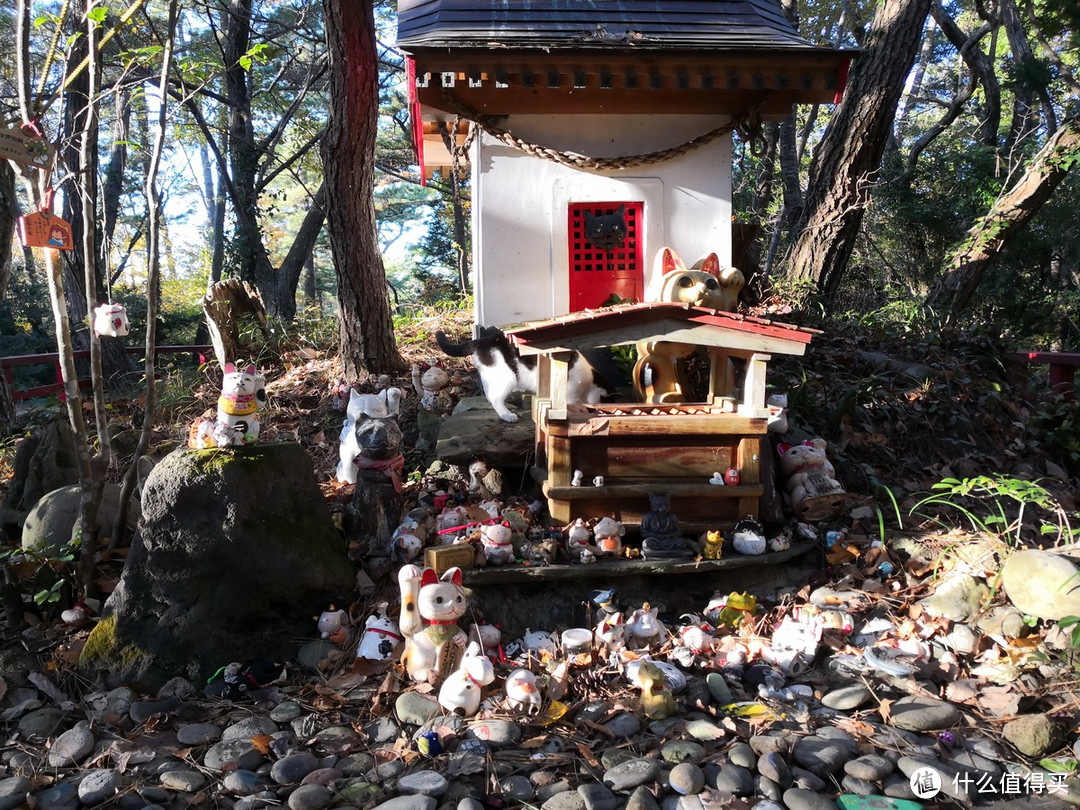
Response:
column 453, row 349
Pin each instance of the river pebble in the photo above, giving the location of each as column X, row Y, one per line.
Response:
column 629, row 775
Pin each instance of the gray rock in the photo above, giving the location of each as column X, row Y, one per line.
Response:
column 847, row 698
column 315, row 652
column 773, row 767
column 682, row 751
column 743, row 755
column 99, row 785
column 641, row 799
column 623, row 725
column 807, row 781
column 390, row 770
column 205, row 516
column 719, row 688
column 310, row 797
column 414, row 709
column 470, row 803
column 597, row 797
column 610, row 757
column 291, row 769
column 49, row 525
column 593, row 710
column 923, row 713
column 516, row 788
column 239, row 753
column 198, row 733
column 764, row 786
column 897, row 786
column 322, row 776
column 496, row 733
column 424, row 783
column 1042, row 584
column 961, row 639
column 184, row 780
column 58, row 797
column 336, row 739
column 957, row 597
column 1003, row 620
column 413, row 802
column 569, row 800
column 769, row 743
column 40, row 724
column 243, row 783
column 383, row 730
column 769, row 804
column 820, row 756
column 141, row 711
column 734, row 779
column 286, row 711
column 799, row 799
column 685, row 803
column 976, row 763
column 71, row 747
column 629, row 775
column 356, row 764
column 13, row 792
column 860, row 787
column 545, row 792
column 361, row 793
column 1034, row 734
column 116, row 705
column 686, row 779
column 869, row 767
column 249, row 727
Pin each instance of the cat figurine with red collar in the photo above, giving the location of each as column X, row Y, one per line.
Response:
column 430, row 609
column 243, row 392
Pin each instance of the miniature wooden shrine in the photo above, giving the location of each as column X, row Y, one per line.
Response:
column 562, row 110
column 643, row 449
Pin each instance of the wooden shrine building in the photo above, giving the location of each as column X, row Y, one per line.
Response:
column 583, row 107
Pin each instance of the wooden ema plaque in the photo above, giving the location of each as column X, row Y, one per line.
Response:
column 26, row 145
column 443, row 558
column 45, row 230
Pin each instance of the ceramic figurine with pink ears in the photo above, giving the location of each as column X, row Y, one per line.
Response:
column 430, row 609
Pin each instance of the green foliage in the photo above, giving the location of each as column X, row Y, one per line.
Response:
column 1057, row 427
column 999, row 506
column 51, row 575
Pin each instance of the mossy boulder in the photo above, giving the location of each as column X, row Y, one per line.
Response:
column 236, row 555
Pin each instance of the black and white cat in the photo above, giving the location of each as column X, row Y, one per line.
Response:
column 503, row 371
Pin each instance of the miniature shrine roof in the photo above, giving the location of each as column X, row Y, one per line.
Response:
column 679, row 323
column 641, row 24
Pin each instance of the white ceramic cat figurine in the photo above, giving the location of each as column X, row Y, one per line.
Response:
column 237, row 418
column 503, row 371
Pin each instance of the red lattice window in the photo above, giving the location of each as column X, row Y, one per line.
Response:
column 596, row 274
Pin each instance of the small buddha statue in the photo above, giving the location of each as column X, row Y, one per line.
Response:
column 661, row 538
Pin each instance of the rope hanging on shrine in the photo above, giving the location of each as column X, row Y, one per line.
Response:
column 748, row 125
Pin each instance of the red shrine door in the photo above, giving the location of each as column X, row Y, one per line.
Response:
column 596, row 275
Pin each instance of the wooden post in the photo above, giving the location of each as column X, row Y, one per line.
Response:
column 753, row 393
column 721, row 375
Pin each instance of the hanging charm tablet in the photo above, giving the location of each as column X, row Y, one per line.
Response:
column 45, row 230
column 26, row 145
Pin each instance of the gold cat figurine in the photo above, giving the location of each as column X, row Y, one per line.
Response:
column 658, row 374
column 714, row 545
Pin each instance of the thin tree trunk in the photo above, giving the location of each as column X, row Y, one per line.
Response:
column 348, row 153
column 8, row 215
column 849, row 155
column 153, row 205
column 311, row 288
column 288, row 274
column 953, row 292
column 113, row 187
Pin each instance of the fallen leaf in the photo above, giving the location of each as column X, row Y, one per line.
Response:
column 587, row 755
column 1001, row 701
column 261, row 743
column 964, row 690
column 885, row 709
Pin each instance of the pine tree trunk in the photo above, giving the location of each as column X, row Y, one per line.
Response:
column 953, row 292
column 850, row 153
column 348, row 154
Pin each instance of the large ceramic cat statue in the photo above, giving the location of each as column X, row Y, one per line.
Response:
column 658, row 374
column 504, row 372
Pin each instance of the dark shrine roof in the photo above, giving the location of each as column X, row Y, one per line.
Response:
column 683, row 25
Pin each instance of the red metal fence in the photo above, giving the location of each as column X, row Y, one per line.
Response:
column 53, row 359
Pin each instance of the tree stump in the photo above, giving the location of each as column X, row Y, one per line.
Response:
column 229, row 305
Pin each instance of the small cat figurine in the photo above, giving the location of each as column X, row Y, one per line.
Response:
column 658, row 376
column 237, row 418
column 503, row 371
column 606, row 231
column 714, row 545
